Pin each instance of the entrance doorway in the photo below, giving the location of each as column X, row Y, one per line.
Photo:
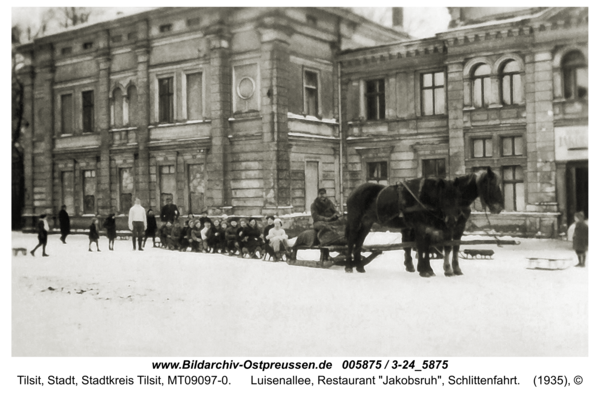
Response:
column 577, row 189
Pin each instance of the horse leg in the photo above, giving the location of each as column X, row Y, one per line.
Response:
column 362, row 235
column 448, row 270
column 457, row 236
column 455, row 266
column 408, row 236
column 423, row 266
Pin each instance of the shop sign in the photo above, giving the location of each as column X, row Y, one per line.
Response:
column 571, row 143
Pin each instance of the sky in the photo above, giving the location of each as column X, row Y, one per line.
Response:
column 419, row 22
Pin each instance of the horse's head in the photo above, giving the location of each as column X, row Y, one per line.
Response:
column 489, row 191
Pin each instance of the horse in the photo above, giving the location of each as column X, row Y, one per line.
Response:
column 484, row 185
column 397, row 206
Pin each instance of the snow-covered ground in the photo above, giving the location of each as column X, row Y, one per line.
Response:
column 165, row 303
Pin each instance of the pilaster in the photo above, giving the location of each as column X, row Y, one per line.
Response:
column 455, row 103
column 219, row 195
column 275, row 59
column 103, row 122
column 142, row 51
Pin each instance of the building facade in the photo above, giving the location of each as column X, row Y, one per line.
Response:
column 248, row 111
column 506, row 90
column 231, row 110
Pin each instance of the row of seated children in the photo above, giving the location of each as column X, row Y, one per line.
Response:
column 224, row 236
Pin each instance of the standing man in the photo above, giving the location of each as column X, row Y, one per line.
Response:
column 137, row 223
column 65, row 223
column 169, row 212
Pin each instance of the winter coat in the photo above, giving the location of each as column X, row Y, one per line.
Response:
column 151, row 225
column 231, row 233
column 580, row 237
column 111, row 227
column 169, row 213
column 65, row 222
column 94, row 236
column 42, row 228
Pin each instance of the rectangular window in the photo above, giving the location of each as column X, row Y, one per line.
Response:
column 132, row 36
column 168, row 184
column 434, row 168
column 194, row 95
column 375, row 97
column 165, row 100
column 512, row 146
column 196, row 188
column 117, row 39
column 66, row 51
column 88, row 45
column 511, row 89
column 87, row 100
column 166, row 28
column 89, row 191
column 126, row 189
column 66, row 114
column 377, row 172
column 311, row 93
column 513, row 188
column 482, row 148
column 433, row 95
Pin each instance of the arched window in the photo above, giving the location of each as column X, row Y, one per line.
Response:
column 575, row 76
column 511, row 84
column 132, row 95
column 482, row 86
column 118, row 108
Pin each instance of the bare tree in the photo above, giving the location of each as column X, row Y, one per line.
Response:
column 73, row 16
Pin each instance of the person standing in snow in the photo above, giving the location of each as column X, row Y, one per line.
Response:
column 580, row 238
column 65, row 223
column 111, row 230
column 137, row 223
column 94, row 235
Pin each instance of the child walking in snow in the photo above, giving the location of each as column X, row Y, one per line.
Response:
column 94, row 235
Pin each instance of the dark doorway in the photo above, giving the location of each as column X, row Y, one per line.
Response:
column 577, row 189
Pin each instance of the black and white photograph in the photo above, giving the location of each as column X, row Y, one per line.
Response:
column 301, row 183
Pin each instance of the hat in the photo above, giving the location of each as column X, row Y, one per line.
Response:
column 580, row 215
column 43, row 216
column 270, row 217
column 322, row 190
column 278, row 220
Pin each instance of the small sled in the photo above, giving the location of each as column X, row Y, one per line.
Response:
column 549, row 264
column 21, row 250
column 477, row 254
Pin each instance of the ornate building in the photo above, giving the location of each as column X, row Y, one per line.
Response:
column 504, row 88
column 233, row 110
column 239, row 110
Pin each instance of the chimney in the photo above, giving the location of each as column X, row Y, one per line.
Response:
column 398, row 18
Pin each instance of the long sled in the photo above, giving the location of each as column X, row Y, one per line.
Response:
column 325, row 261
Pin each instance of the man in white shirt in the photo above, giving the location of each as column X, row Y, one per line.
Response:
column 137, row 223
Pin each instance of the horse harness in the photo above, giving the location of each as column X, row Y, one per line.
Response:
column 404, row 185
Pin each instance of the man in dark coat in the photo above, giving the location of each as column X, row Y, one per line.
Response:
column 65, row 223
column 323, row 212
column 169, row 212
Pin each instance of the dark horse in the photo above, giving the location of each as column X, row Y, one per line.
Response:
column 397, row 206
column 448, row 212
column 484, row 185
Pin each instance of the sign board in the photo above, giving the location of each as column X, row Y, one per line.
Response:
column 571, row 143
